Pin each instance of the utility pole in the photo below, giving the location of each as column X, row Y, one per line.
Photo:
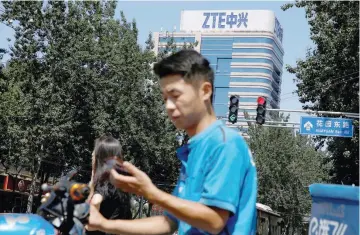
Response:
column 280, row 124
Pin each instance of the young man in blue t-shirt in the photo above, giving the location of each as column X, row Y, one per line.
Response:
column 217, row 187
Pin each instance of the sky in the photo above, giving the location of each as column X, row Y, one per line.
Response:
column 151, row 16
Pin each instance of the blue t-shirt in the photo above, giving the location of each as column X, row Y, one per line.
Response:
column 218, row 171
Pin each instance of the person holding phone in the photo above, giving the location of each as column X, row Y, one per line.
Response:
column 111, row 202
column 217, row 187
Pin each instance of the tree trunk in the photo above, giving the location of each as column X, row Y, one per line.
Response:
column 32, row 187
column 43, row 178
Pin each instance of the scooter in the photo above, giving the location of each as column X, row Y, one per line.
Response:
column 63, row 211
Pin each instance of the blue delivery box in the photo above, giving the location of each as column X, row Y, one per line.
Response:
column 334, row 210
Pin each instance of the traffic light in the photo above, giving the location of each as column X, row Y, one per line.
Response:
column 261, row 110
column 233, row 109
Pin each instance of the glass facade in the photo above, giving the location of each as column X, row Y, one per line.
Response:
column 248, row 64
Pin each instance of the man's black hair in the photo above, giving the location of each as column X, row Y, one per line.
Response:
column 189, row 64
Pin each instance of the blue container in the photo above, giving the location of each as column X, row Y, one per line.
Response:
column 25, row 224
column 335, row 210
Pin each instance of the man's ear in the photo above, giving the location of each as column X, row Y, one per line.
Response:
column 206, row 90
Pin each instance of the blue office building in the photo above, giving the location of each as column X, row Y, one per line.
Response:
column 245, row 51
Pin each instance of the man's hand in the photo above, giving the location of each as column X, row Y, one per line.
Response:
column 212, row 220
column 96, row 220
column 138, row 183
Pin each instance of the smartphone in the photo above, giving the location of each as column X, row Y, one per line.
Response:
column 115, row 164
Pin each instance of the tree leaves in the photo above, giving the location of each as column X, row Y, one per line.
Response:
column 286, row 166
column 76, row 73
column 328, row 78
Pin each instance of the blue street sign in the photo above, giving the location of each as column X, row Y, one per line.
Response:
column 338, row 127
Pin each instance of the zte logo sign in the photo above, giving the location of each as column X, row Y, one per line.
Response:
column 221, row 20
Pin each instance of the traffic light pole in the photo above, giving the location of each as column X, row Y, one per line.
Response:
column 261, row 114
column 290, row 127
column 354, row 115
column 249, row 120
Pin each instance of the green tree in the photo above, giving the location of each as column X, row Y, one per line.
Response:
column 171, row 47
column 25, row 70
column 286, row 165
column 79, row 73
column 10, row 109
column 328, row 78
